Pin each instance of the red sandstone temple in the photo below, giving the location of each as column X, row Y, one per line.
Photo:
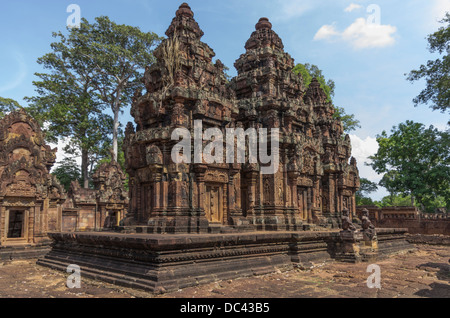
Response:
column 251, row 223
column 30, row 198
column 33, row 202
column 317, row 178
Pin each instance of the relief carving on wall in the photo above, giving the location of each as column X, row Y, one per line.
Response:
column 216, row 176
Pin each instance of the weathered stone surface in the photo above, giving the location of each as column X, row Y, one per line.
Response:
column 24, row 251
column 112, row 199
column 30, row 198
column 33, row 202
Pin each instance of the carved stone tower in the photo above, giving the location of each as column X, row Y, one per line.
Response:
column 182, row 86
column 269, row 95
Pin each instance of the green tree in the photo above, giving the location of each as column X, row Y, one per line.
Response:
column 116, row 55
column 437, row 72
column 416, row 161
column 394, row 200
column 8, row 105
column 431, row 204
column 366, row 188
column 67, row 104
column 308, row 72
column 349, row 122
column 66, row 172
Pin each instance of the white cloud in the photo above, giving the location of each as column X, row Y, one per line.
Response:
column 438, row 9
column 362, row 149
column 288, row 9
column 369, row 35
column 442, row 126
column 326, row 32
column 360, row 34
column 352, row 7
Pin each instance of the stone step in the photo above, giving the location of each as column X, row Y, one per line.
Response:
column 105, row 276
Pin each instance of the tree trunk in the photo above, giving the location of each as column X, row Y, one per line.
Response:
column 116, row 109
column 115, row 135
column 412, row 201
column 84, row 168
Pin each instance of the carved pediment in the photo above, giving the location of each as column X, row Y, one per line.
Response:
column 215, row 176
column 20, row 185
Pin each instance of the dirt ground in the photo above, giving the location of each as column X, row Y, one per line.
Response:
column 424, row 273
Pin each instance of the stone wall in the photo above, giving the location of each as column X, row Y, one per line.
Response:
column 407, row 217
column 419, row 226
column 429, row 239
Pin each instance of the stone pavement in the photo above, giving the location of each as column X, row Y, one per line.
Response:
column 424, row 273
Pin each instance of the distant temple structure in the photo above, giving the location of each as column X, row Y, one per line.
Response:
column 100, row 208
column 30, row 197
column 316, row 179
column 33, row 202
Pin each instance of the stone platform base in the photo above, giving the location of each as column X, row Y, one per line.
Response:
column 20, row 252
column 161, row 263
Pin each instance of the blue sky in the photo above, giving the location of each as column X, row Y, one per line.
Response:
column 366, row 47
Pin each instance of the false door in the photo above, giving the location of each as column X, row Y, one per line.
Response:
column 214, row 204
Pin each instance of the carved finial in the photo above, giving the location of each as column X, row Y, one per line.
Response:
column 185, row 10
column 315, row 93
column 263, row 23
column 219, row 64
column 184, row 24
column 315, row 82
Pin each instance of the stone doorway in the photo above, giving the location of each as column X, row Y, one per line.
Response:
column 214, row 203
column 16, row 223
